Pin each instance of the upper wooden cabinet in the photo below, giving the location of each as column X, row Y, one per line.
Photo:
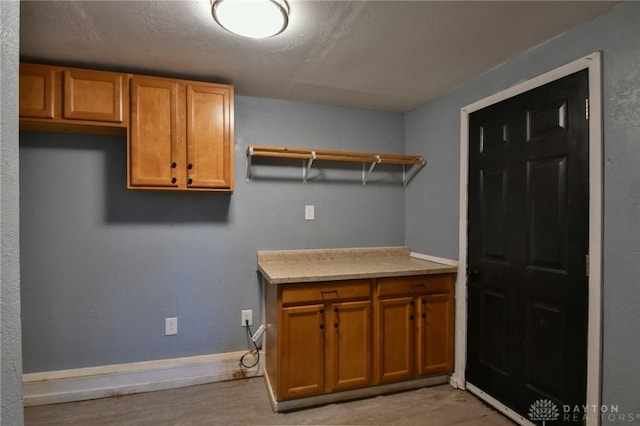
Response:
column 180, row 132
column 181, row 135
column 60, row 98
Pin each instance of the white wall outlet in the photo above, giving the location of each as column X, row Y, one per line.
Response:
column 170, row 326
column 247, row 315
column 309, row 212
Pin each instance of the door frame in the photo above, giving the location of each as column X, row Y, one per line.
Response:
column 593, row 63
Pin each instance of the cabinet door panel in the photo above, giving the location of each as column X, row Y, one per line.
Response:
column 396, row 339
column 349, row 355
column 302, row 351
column 36, row 91
column 155, row 158
column 435, row 334
column 93, row 95
column 209, row 138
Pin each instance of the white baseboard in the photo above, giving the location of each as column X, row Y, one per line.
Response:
column 499, row 405
column 79, row 384
column 430, row 258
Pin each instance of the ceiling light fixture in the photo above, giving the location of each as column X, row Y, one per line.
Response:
column 251, row 18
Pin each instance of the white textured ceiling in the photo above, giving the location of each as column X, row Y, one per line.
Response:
column 386, row 55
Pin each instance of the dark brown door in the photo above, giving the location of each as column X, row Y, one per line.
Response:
column 527, row 247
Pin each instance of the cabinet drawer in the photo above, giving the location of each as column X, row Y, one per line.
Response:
column 421, row 284
column 326, row 291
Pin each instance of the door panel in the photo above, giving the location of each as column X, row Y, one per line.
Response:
column 547, row 213
column 155, row 156
column 208, row 137
column 546, row 328
column 396, row 339
column 302, row 352
column 527, row 245
column 494, row 212
column 435, row 334
column 350, row 345
column 493, row 332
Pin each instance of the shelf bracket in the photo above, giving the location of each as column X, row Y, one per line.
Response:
column 407, row 175
column 249, row 157
column 305, row 170
column 365, row 175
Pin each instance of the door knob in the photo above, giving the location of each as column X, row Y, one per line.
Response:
column 473, row 274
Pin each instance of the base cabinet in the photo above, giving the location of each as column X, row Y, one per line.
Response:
column 324, row 338
column 344, row 335
column 415, row 327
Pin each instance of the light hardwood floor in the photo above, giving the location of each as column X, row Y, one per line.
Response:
column 245, row 402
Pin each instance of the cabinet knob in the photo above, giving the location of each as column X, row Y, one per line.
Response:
column 411, row 303
column 335, row 325
column 411, row 317
column 174, row 165
column 322, row 311
column 173, row 180
column 321, row 325
column 424, row 315
column 424, row 301
column 189, row 166
column 335, row 310
column 190, row 181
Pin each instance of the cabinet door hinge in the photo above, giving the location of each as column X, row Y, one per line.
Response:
column 586, row 109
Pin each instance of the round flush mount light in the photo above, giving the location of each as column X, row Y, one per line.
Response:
column 251, row 18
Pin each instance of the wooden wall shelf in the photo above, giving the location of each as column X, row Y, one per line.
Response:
column 308, row 155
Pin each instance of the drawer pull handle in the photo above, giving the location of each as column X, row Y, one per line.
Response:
column 327, row 292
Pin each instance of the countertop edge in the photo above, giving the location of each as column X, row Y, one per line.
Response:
column 357, row 276
column 431, row 266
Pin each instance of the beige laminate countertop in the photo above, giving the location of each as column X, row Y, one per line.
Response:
column 298, row 266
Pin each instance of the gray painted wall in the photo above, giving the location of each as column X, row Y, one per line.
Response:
column 103, row 266
column 432, row 198
column 11, row 412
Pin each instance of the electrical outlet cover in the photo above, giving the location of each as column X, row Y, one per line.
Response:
column 247, row 315
column 171, row 326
